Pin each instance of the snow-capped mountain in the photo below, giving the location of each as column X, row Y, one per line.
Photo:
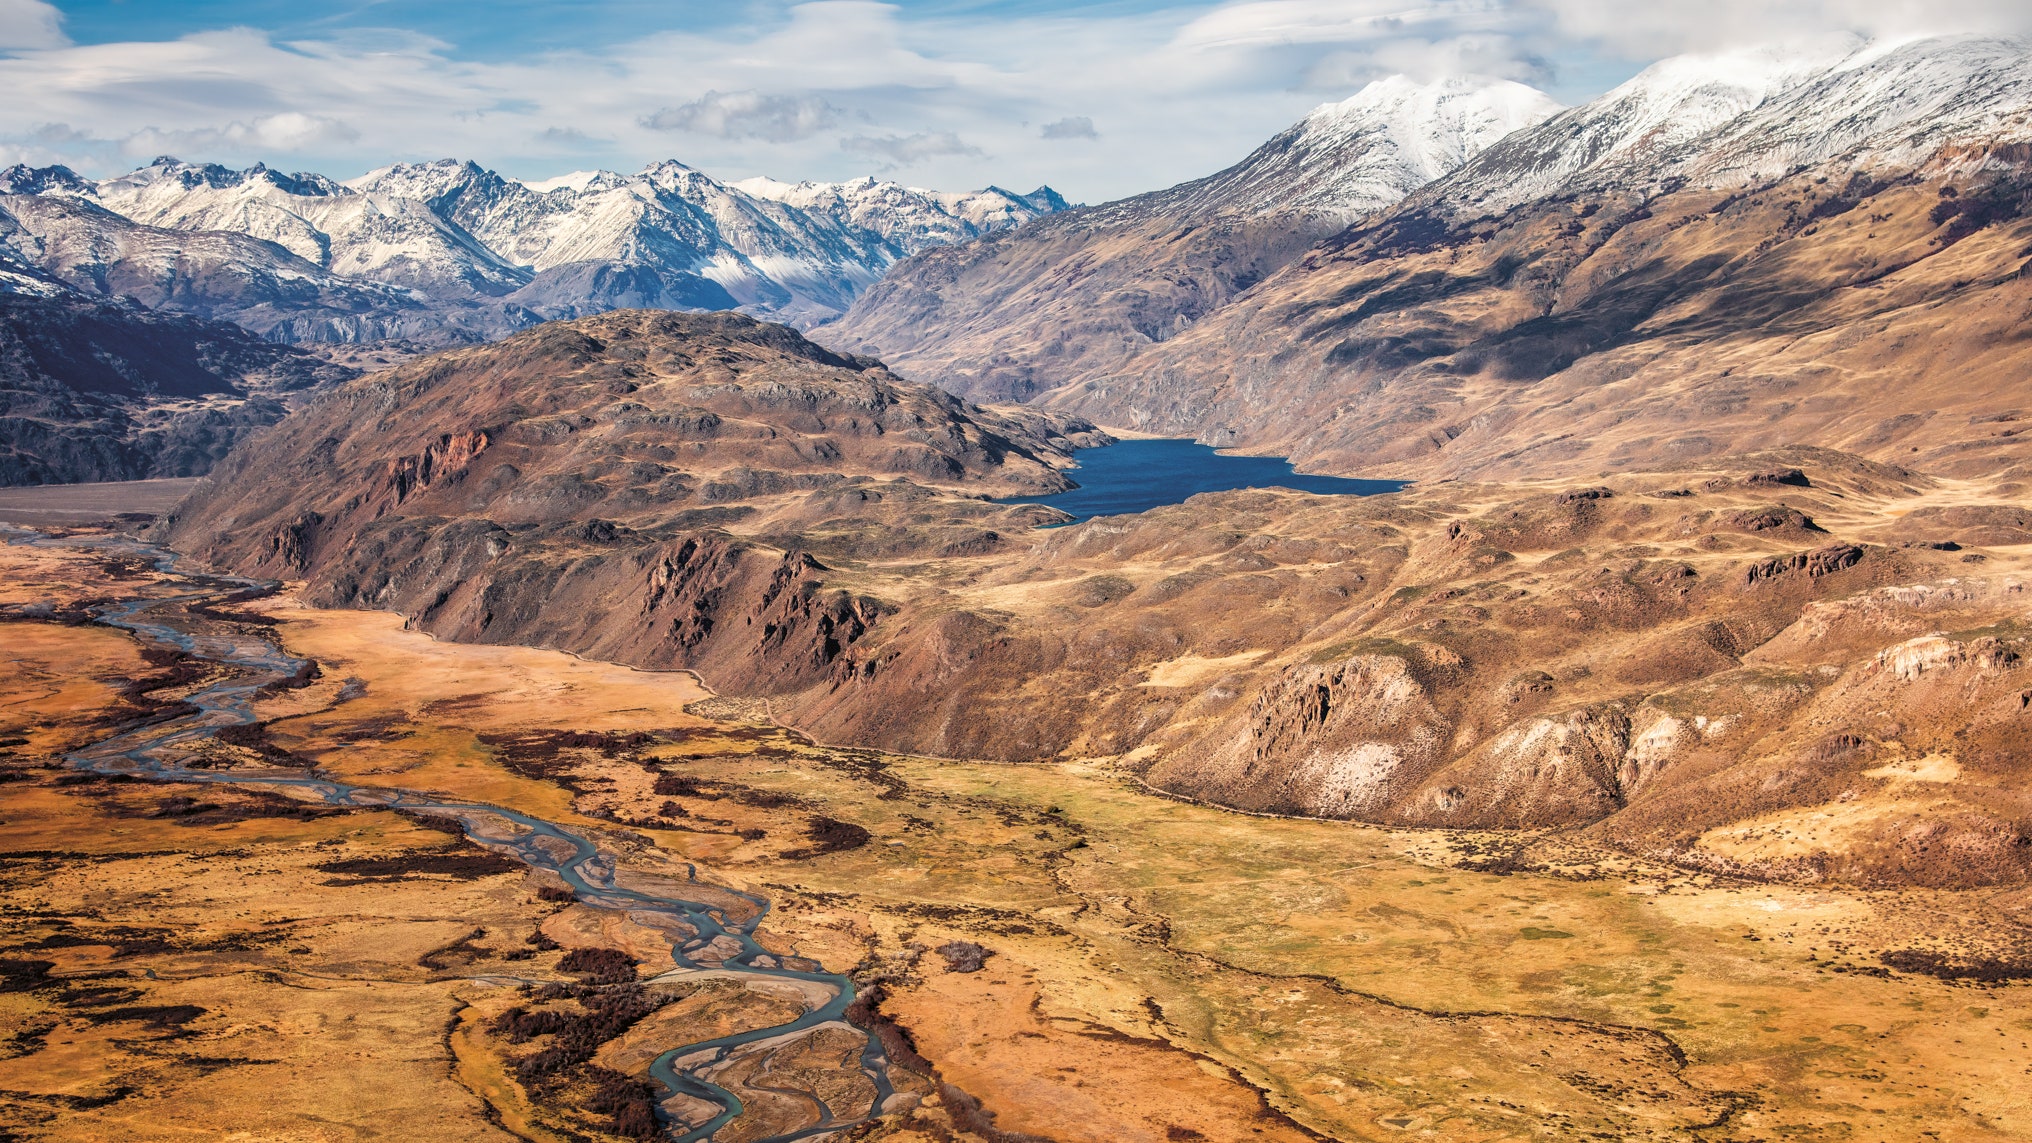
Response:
column 379, row 237
column 1754, row 114
column 1021, row 309
column 911, row 219
column 796, row 253
column 504, row 253
column 1818, row 244
column 75, row 243
column 1348, row 159
column 1899, row 105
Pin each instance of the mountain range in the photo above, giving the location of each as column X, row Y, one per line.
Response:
column 115, row 291
column 1822, row 243
column 1014, row 313
column 448, row 252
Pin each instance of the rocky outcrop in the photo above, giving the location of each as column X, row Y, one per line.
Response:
column 1344, row 739
column 754, row 620
column 1559, row 770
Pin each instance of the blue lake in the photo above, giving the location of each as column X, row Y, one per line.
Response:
column 1132, row 476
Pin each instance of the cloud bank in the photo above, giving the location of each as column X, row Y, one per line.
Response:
column 951, row 97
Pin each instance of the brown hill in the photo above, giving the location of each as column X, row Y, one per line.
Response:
column 1882, row 318
column 640, row 486
column 1794, row 664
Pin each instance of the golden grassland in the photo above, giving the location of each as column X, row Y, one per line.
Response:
column 1157, row 970
column 180, row 977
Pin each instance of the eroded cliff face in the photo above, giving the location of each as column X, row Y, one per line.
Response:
column 1339, row 739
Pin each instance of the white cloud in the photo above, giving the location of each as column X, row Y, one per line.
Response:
column 1277, row 23
column 909, row 150
column 1070, row 127
column 287, row 133
column 31, row 25
column 749, row 115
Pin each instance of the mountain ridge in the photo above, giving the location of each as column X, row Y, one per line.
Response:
column 494, row 254
column 1831, row 253
column 994, row 318
column 94, row 390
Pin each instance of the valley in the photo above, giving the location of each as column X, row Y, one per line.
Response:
column 1655, row 656
column 1053, row 950
column 1481, row 621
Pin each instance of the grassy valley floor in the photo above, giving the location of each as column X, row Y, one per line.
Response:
column 1050, row 951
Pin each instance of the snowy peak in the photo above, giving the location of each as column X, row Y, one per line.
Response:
column 905, row 219
column 1348, row 159
column 24, row 179
column 1886, row 104
column 1431, row 127
column 574, row 181
column 168, row 169
column 1679, row 99
column 428, row 181
column 1725, row 119
column 459, row 235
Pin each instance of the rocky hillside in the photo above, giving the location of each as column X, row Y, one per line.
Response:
column 1753, row 250
column 1021, row 311
column 639, row 486
column 449, row 252
column 1796, row 665
column 1627, row 601
column 93, row 390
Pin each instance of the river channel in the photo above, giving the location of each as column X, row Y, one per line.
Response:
column 256, row 662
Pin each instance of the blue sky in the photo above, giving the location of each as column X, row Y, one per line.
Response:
column 503, row 29
column 1097, row 99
